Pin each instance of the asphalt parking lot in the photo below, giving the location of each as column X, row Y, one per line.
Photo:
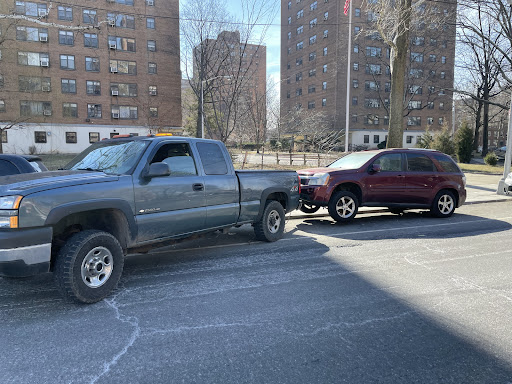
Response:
column 388, row 299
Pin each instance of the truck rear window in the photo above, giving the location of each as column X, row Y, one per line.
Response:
column 212, row 159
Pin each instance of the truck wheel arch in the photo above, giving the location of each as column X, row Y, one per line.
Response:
column 120, row 223
column 278, row 194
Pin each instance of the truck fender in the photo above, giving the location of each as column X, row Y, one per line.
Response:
column 266, row 193
column 60, row 212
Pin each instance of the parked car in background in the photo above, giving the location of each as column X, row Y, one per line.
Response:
column 16, row 164
column 398, row 179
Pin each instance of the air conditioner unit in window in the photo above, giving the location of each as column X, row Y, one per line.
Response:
column 112, row 46
column 150, row 2
column 152, row 93
column 111, row 1
column 115, row 115
column 42, row 13
column 112, row 22
column 115, row 93
column 46, row 88
column 44, row 63
column 47, row 112
column 113, row 69
column 43, row 38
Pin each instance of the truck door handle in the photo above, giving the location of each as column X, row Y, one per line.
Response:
column 198, row 187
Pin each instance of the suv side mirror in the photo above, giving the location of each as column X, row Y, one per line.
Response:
column 158, row 170
column 375, row 168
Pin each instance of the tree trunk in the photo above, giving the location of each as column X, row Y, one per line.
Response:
column 478, row 123
column 398, row 69
column 485, row 121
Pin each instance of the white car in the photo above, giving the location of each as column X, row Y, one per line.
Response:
column 508, row 182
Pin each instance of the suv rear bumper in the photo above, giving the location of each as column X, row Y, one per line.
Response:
column 25, row 252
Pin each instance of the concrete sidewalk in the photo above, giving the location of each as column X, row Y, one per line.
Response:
column 480, row 188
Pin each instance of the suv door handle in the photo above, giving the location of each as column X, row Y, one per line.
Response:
column 198, row 187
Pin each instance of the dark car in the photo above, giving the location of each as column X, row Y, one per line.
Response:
column 398, row 179
column 16, row 164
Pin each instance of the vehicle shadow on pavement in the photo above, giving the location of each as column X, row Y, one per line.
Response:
column 406, row 225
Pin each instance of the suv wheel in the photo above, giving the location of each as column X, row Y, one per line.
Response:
column 309, row 208
column 343, row 206
column 89, row 266
column 444, row 204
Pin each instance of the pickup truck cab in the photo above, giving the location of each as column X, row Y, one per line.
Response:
column 125, row 194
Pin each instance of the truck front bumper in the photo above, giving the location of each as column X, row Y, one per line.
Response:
column 25, row 252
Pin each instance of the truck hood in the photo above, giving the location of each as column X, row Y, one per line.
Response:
column 28, row 183
column 312, row 171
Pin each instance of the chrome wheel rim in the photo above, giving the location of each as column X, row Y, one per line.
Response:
column 273, row 221
column 445, row 204
column 345, row 207
column 97, row 267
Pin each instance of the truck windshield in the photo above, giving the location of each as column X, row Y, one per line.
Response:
column 353, row 161
column 109, row 157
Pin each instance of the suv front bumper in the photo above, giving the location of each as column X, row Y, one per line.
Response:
column 25, row 252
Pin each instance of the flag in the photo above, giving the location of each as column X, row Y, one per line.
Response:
column 347, row 7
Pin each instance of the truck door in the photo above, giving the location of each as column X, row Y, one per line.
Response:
column 221, row 186
column 171, row 205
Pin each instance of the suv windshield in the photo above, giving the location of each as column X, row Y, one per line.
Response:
column 109, row 157
column 352, row 161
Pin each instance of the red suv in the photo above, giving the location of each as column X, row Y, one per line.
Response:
column 394, row 178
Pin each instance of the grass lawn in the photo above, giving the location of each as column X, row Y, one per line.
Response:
column 482, row 168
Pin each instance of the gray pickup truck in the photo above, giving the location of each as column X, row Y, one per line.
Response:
column 127, row 193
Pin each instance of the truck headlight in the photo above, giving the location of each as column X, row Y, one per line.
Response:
column 9, row 211
column 319, row 179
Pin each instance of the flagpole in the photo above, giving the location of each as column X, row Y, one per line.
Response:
column 349, row 56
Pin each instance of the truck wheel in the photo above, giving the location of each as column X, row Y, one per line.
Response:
column 343, row 206
column 89, row 266
column 309, row 208
column 444, row 204
column 271, row 225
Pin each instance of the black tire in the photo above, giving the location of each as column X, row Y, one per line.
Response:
column 343, row 206
column 443, row 204
column 308, row 208
column 89, row 266
column 396, row 211
column 271, row 225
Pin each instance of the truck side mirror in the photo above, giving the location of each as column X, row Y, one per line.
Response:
column 158, row 170
column 375, row 168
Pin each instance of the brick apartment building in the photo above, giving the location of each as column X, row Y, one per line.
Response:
column 235, row 67
column 314, row 44
column 67, row 88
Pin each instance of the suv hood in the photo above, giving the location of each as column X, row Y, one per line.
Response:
column 27, row 183
column 312, row 171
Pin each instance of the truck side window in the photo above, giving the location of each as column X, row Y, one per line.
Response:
column 7, row 168
column 178, row 157
column 212, row 159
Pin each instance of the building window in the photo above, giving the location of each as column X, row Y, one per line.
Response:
column 311, row 89
column 313, row 23
column 89, row 16
column 289, row 35
column 300, row 14
column 66, row 38
column 312, row 72
column 92, row 64
column 356, row 48
column 443, row 59
column 355, row 66
column 414, row 104
column 443, row 75
column 289, row 5
column 90, row 40
column 34, row 84
column 2, row 106
column 366, row 139
column 68, row 85
column 432, row 58
column 441, row 121
column 30, row 9
column 324, row 68
column 311, row 104
column 372, row 103
column 35, row 108
column 288, row 94
column 326, row 33
column 150, row 22
column 357, row 12
column 312, row 56
column 93, row 87
column 354, row 100
column 313, row 6
column 408, row 139
column 357, row 30
column 298, row 76
column 94, row 137
column 121, row 43
column 64, row 13
column 376, row 139
column 124, row 67
column 326, row 16
column 299, row 46
column 354, row 118
column 441, row 105
column 124, row 112
column 289, row 20
column 40, row 137
column 71, row 138
column 430, row 120
column 417, row 57
column 373, row 51
column 151, row 45
column 430, row 105
column 413, row 120
column 324, row 102
column 299, row 30
column 325, row 51
column 31, row 34
column 67, row 62
column 93, row 112
column 152, row 90
column 355, row 83
column 121, row 21
column 69, row 110
column 370, row 85
column 312, row 40
column 35, row 59
column 298, row 61
column 4, row 136
column 324, row 85
column 153, row 112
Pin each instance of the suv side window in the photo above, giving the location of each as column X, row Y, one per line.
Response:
column 179, row 158
column 391, row 162
column 7, row 168
column 447, row 163
column 212, row 158
column 419, row 163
